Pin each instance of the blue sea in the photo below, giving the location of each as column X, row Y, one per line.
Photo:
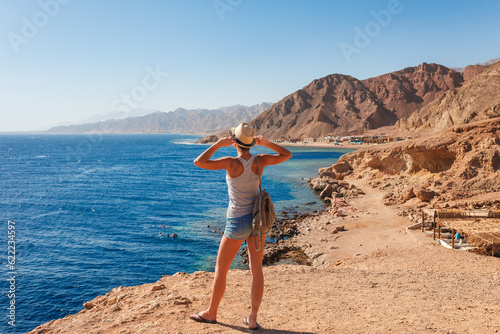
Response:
column 87, row 213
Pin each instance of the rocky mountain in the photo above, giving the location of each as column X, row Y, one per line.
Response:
column 478, row 99
column 339, row 104
column 177, row 121
column 454, row 154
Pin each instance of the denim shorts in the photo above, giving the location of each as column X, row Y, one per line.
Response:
column 239, row 228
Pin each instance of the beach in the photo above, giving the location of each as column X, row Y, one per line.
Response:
column 347, row 145
column 373, row 276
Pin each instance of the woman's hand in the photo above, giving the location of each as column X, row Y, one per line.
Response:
column 259, row 140
column 267, row 159
column 226, row 141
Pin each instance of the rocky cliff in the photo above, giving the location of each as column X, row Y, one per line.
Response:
column 456, row 163
column 477, row 100
column 455, row 152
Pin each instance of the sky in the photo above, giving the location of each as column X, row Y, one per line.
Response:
column 64, row 61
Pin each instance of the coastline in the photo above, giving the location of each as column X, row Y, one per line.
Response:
column 326, row 145
column 372, row 263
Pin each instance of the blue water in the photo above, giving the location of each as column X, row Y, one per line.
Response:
column 91, row 212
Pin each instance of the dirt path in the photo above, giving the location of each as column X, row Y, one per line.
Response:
column 373, row 278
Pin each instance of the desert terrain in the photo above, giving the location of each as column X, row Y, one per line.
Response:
column 374, row 276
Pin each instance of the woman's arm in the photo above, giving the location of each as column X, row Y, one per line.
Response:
column 203, row 160
column 268, row 159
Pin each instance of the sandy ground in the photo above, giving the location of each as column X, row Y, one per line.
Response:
column 375, row 277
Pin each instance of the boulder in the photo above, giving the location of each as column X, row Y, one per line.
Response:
column 329, row 175
column 341, row 167
column 88, row 305
column 407, row 194
column 425, row 195
column 158, row 287
column 318, row 184
column 325, row 169
column 327, row 192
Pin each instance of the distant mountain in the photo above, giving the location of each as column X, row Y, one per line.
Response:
column 339, row 104
column 486, row 63
column 200, row 121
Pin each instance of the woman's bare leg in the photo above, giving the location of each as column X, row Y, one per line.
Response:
column 255, row 262
column 227, row 251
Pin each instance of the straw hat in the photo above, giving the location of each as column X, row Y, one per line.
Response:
column 243, row 134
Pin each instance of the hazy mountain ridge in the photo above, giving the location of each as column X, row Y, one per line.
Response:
column 486, row 63
column 177, row 121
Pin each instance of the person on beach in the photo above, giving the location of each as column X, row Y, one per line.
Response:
column 243, row 187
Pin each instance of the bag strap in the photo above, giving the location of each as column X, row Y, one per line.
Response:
column 257, row 248
column 258, row 173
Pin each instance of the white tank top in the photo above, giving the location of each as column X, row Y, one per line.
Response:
column 242, row 190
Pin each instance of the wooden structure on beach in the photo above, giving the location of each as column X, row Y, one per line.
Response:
column 482, row 225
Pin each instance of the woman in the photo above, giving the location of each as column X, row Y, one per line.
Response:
column 243, row 186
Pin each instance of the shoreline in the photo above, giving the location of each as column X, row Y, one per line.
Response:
column 325, row 145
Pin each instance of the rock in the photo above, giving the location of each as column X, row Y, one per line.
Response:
column 327, row 192
column 88, row 305
column 209, row 139
column 425, row 195
column 341, row 167
column 330, row 175
column 357, row 191
column 407, row 194
column 158, row 287
column 388, row 195
column 318, row 184
column 344, row 184
column 181, row 301
column 340, row 228
column 325, row 170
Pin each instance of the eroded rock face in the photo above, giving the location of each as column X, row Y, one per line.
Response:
column 477, row 100
column 457, row 163
column 458, row 153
